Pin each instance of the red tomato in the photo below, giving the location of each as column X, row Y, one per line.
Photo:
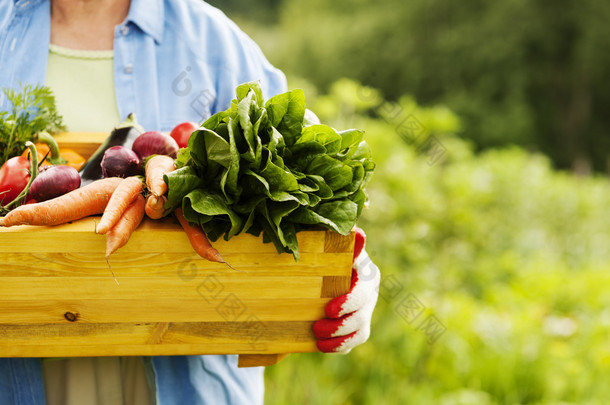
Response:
column 182, row 132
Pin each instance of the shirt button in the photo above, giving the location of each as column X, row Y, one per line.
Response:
column 124, row 30
column 129, row 68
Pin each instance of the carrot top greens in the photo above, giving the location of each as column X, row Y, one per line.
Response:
column 31, row 110
column 260, row 167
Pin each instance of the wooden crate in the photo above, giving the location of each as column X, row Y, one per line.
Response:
column 58, row 297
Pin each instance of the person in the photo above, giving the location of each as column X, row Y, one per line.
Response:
column 168, row 61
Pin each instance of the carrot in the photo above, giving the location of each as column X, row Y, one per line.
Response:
column 154, row 206
column 124, row 195
column 198, row 239
column 155, row 168
column 119, row 234
column 82, row 202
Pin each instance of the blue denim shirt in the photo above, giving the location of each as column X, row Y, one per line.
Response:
column 174, row 61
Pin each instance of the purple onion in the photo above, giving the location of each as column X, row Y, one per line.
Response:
column 54, row 181
column 155, row 143
column 119, row 161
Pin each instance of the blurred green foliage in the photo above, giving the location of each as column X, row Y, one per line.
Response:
column 509, row 255
column 531, row 73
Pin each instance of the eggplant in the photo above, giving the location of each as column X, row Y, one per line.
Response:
column 123, row 135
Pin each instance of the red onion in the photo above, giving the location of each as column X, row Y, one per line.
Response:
column 154, row 143
column 119, row 161
column 53, row 181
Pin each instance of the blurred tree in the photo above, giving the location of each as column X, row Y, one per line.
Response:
column 525, row 72
column 517, row 71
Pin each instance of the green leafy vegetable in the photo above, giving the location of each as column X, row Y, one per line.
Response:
column 258, row 167
column 32, row 111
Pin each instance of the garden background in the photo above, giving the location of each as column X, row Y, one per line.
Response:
column 488, row 217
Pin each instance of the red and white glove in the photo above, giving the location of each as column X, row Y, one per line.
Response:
column 348, row 317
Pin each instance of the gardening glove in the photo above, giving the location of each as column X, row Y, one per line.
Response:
column 348, row 317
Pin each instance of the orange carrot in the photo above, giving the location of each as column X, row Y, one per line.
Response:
column 82, row 202
column 120, row 233
column 155, row 168
column 198, row 239
column 122, row 197
column 154, row 206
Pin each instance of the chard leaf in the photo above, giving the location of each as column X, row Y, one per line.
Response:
column 323, row 135
column 351, row 137
column 288, row 236
column 357, row 179
column 342, row 213
column 276, row 142
column 308, row 186
column 254, row 87
column 336, row 215
column 180, row 182
column 228, row 182
column 313, row 200
column 278, row 178
column 336, row 174
column 210, row 205
column 261, row 122
column 184, row 155
column 215, row 120
column 359, row 198
column 285, row 231
column 206, row 145
column 244, row 108
column 286, row 112
column 361, row 152
column 324, row 191
column 304, row 152
column 257, row 167
column 270, row 231
column 255, row 183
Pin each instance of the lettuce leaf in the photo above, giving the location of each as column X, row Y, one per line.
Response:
column 260, row 168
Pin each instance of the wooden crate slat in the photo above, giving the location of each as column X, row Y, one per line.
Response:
column 146, row 287
column 119, row 339
column 59, row 299
column 168, row 265
column 83, row 143
column 254, row 333
column 227, row 308
column 79, row 236
column 181, row 349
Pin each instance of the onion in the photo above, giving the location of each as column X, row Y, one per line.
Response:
column 119, row 161
column 53, row 181
column 155, row 143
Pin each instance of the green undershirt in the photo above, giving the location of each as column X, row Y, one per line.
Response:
column 83, row 85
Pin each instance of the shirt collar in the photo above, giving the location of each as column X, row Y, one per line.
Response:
column 23, row 5
column 149, row 16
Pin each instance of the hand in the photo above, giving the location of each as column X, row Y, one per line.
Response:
column 348, row 317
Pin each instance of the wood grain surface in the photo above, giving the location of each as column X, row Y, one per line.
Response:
column 59, row 299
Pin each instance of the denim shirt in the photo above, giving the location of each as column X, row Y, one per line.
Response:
column 174, row 61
